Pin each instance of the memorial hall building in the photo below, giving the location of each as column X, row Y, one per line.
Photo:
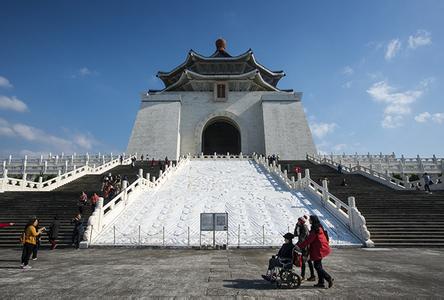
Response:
column 219, row 104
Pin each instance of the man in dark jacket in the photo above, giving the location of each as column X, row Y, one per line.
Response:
column 301, row 231
column 78, row 230
column 284, row 255
column 53, row 232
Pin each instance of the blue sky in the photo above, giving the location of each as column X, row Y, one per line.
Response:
column 372, row 72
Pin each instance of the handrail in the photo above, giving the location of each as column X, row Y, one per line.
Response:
column 13, row 184
column 348, row 214
column 370, row 173
column 104, row 215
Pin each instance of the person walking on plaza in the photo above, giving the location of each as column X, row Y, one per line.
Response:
column 36, row 248
column 54, row 232
column 29, row 241
column 319, row 248
column 301, row 231
column 77, row 232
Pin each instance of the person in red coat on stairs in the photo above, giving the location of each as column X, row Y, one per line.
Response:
column 3, row 225
column 317, row 240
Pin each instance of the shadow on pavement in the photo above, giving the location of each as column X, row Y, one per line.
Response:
column 257, row 284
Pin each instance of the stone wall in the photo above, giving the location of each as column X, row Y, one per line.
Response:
column 156, row 129
column 285, row 127
column 172, row 123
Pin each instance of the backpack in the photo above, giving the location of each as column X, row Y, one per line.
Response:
column 22, row 238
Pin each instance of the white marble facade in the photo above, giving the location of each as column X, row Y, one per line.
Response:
column 172, row 123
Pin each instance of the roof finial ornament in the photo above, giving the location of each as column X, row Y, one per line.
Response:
column 221, row 44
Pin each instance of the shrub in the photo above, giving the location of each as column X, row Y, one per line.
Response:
column 397, row 176
column 413, row 177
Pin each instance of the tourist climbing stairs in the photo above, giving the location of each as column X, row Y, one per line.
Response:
column 394, row 218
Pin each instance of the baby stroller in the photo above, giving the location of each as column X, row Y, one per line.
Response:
column 284, row 276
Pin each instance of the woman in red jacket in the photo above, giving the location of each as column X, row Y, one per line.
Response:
column 319, row 248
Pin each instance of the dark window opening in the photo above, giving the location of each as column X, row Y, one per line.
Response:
column 220, row 90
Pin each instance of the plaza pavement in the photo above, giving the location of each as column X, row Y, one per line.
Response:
column 156, row 273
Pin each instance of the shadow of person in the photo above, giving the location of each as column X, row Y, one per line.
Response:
column 254, row 284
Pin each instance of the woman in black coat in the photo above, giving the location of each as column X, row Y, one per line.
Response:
column 53, row 232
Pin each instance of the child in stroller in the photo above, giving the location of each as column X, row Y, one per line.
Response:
column 282, row 265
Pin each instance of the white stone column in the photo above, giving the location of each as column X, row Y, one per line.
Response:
column 25, row 162
column 324, row 191
column 125, row 194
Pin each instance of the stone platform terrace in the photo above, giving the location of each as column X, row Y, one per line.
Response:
column 147, row 273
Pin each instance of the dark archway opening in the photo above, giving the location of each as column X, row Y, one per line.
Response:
column 221, row 137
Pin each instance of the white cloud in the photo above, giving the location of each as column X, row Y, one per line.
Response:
column 423, row 117
column 12, row 103
column 4, row 82
column 84, row 141
column 320, row 129
column 426, row 116
column 38, row 136
column 421, row 38
column 397, row 104
column 392, row 121
column 347, row 85
column 347, row 70
column 393, row 48
column 84, row 72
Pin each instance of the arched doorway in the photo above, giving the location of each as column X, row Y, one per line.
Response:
column 221, row 136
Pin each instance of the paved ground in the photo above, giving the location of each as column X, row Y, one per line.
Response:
column 136, row 273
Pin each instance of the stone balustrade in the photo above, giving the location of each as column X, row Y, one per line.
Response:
column 104, row 215
column 11, row 184
column 348, row 214
column 390, row 163
column 384, row 178
column 51, row 164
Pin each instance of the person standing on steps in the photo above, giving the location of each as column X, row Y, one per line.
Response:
column 339, row 168
column 77, row 233
column 4, row 225
column 54, row 232
column 94, row 200
column 427, row 181
column 29, row 241
column 301, row 231
column 317, row 240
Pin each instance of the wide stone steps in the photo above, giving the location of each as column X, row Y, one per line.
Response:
column 18, row 207
column 394, row 218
